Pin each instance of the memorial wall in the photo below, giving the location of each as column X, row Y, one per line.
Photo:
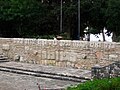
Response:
column 63, row 53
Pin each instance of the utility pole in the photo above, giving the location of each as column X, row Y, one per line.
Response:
column 78, row 36
column 61, row 4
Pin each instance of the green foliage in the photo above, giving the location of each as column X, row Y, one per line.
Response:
column 33, row 18
column 104, row 84
column 113, row 14
column 27, row 18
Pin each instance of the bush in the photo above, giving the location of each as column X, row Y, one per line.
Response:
column 104, row 84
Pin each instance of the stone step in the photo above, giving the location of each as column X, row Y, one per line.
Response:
column 43, row 74
column 3, row 58
column 1, row 55
column 4, row 61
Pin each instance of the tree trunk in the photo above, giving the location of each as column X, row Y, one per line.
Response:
column 103, row 35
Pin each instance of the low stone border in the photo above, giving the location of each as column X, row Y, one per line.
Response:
column 112, row 70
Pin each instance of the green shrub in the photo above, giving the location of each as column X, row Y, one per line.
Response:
column 104, row 84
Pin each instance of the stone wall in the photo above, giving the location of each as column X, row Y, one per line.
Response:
column 63, row 53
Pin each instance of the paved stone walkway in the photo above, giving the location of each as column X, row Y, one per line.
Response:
column 50, row 69
column 12, row 81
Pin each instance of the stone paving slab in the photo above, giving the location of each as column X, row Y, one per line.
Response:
column 50, row 69
column 11, row 81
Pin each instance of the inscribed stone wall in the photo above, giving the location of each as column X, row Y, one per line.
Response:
column 63, row 53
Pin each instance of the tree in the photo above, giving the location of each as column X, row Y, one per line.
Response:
column 34, row 18
column 113, row 21
column 102, row 14
column 25, row 18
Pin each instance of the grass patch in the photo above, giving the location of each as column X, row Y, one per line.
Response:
column 103, row 84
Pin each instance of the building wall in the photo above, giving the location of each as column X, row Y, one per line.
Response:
column 63, row 53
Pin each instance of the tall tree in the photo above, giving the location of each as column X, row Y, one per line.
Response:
column 113, row 21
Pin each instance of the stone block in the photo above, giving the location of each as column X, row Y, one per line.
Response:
column 57, row 55
column 27, row 48
column 99, row 55
column 51, row 55
column 51, row 62
column 64, row 56
column 21, row 59
column 72, row 57
column 113, row 57
column 6, row 47
column 17, row 57
column 35, row 52
column 70, row 64
column 98, row 45
column 44, row 55
column 92, row 44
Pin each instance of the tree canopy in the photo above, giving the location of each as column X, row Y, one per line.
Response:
column 35, row 18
